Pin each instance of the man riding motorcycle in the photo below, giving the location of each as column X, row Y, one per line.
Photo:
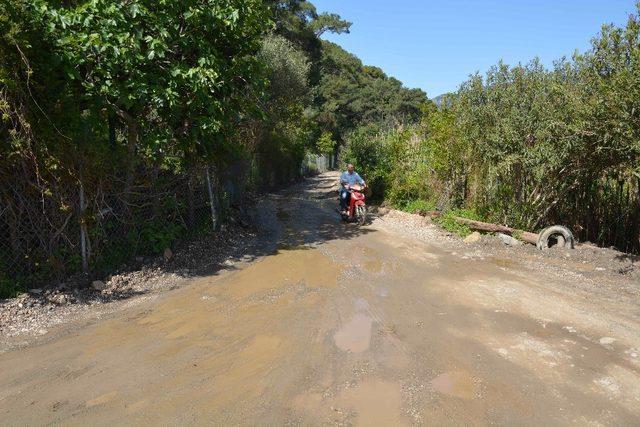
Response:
column 347, row 179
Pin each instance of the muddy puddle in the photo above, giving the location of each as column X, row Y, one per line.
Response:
column 370, row 403
column 355, row 335
column 301, row 266
column 375, row 403
column 455, row 384
column 226, row 341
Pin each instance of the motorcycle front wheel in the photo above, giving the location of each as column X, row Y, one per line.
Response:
column 361, row 214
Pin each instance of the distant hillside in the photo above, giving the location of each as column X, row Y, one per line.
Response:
column 440, row 99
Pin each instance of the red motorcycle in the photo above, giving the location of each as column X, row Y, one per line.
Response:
column 357, row 208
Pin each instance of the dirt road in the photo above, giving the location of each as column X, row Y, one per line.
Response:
column 335, row 324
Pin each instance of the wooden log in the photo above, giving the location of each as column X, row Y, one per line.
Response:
column 430, row 214
column 497, row 228
column 483, row 226
column 525, row 236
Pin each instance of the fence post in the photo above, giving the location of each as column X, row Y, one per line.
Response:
column 83, row 233
column 214, row 218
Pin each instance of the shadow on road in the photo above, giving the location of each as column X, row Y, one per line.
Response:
column 301, row 216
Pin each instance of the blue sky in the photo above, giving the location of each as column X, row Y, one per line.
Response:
column 436, row 44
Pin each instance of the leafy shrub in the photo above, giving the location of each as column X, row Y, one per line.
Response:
column 527, row 146
column 417, row 206
column 9, row 287
column 448, row 222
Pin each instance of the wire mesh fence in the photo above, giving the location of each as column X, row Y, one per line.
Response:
column 52, row 228
column 316, row 163
column 57, row 222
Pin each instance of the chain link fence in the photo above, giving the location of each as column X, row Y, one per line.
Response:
column 53, row 228
column 317, row 163
column 64, row 223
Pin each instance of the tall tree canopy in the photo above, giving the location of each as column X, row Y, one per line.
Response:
column 352, row 94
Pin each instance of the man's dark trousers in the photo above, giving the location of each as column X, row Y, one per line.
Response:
column 345, row 195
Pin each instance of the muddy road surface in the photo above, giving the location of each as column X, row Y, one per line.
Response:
column 335, row 324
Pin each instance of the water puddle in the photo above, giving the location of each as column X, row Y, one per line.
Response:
column 376, row 403
column 287, row 267
column 455, row 384
column 370, row 403
column 355, row 336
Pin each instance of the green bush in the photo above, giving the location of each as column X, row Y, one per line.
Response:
column 417, row 206
column 448, row 222
column 526, row 146
column 9, row 287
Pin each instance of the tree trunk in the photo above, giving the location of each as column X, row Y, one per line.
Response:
column 492, row 228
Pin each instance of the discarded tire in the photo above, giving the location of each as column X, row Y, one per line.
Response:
column 557, row 236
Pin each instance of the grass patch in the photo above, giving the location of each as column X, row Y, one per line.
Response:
column 416, row 206
column 447, row 221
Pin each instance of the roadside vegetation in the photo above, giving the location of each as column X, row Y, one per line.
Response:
column 525, row 146
column 126, row 127
column 129, row 125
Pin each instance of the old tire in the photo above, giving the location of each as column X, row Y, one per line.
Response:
column 561, row 235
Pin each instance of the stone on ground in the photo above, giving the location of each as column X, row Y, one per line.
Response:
column 473, row 237
column 509, row 240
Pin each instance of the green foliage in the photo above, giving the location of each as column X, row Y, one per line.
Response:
column 527, row 146
column 417, row 206
column 448, row 222
column 187, row 60
column 392, row 162
column 119, row 98
column 288, row 70
column 329, row 22
column 367, row 151
column 9, row 287
column 155, row 237
column 352, row 94
column 325, row 144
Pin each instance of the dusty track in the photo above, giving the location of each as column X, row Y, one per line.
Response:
column 337, row 324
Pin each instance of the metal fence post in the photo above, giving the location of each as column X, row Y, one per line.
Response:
column 83, row 233
column 214, row 218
